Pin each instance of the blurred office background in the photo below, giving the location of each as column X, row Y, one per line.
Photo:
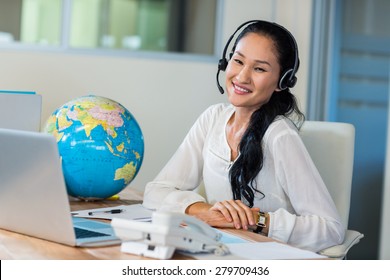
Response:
column 159, row 59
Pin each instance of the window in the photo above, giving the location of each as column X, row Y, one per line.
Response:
column 182, row 26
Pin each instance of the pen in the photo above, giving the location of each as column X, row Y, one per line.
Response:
column 112, row 211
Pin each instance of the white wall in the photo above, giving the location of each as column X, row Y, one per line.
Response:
column 165, row 96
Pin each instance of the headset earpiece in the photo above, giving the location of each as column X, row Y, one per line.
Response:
column 222, row 64
column 292, row 82
column 288, row 80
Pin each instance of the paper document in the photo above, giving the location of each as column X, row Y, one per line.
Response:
column 241, row 249
column 131, row 212
column 270, row 251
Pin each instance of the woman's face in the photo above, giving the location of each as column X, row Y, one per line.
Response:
column 253, row 72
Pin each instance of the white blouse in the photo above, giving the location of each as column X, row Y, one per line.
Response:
column 302, row 212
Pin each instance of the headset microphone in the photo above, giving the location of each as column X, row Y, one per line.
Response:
column 218, row 84
column 222, row 64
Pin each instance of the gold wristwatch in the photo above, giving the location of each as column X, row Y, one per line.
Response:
column 261, row 222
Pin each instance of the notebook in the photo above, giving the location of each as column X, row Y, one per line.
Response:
column 20, row 111
column 33, row 197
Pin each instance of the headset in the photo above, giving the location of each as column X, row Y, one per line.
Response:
column 287, row 80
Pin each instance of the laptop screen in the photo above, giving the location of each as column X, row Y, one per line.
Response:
column 33, row 197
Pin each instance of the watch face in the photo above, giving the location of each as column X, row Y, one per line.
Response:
column 261, row 221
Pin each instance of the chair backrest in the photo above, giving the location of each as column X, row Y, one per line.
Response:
column 331, row 147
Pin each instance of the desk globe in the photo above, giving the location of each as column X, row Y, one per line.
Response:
column 100, row 143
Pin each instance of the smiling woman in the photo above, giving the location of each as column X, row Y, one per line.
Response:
column 131, row 25
column 247, row 152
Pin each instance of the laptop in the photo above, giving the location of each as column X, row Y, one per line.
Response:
column 20, row 110
column 33, row 197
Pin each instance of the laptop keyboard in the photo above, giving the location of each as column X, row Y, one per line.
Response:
column 84, row 233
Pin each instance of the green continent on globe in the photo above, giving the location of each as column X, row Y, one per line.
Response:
column 100, row 143
column 126, row 173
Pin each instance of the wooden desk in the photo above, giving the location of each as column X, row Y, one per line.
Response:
column 22, row 247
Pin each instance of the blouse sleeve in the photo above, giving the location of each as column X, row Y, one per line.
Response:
column 173, row 188
column 316, row 224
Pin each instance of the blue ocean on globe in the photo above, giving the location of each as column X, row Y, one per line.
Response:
column 100, row 143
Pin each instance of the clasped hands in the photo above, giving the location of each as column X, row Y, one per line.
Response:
column 225, row 214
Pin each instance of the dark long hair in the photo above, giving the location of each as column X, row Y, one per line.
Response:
column 283, row 103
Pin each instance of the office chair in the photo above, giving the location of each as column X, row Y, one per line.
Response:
column 331, row 146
